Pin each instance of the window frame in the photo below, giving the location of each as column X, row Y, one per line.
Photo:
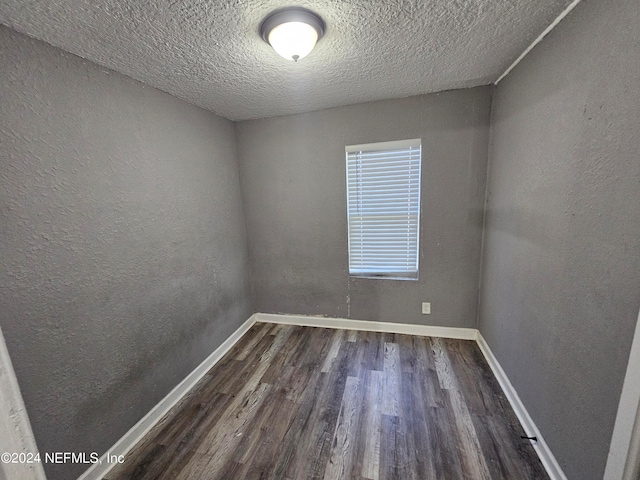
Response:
column 381, row 147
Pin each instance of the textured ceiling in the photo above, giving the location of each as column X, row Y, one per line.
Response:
column 209, row 53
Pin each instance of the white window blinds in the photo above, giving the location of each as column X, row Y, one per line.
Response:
column 383, row 208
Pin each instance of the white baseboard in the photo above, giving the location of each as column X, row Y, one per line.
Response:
column 140, row 429
column 542, row 449
column 384, row 327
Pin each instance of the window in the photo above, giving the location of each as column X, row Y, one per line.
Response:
column 383, row 208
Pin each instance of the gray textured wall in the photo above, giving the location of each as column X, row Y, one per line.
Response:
column 293, row 181
column 560, row 292
column 122, row 239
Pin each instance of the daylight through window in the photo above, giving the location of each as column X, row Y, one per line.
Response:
column 383, row 208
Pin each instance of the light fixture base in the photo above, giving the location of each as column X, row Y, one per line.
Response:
column 291, row 14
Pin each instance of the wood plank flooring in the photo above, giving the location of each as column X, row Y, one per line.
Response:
column 293, row 402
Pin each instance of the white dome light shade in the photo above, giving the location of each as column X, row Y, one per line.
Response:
column 293, row 40
column 292, row 32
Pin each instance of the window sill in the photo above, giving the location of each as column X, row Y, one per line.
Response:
column 383, row 277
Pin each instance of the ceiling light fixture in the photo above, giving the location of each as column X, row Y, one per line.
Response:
column 292, row 32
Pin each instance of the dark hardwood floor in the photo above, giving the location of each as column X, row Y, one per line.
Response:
column 311, row 403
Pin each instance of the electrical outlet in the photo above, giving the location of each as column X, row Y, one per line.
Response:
column 426, row 308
